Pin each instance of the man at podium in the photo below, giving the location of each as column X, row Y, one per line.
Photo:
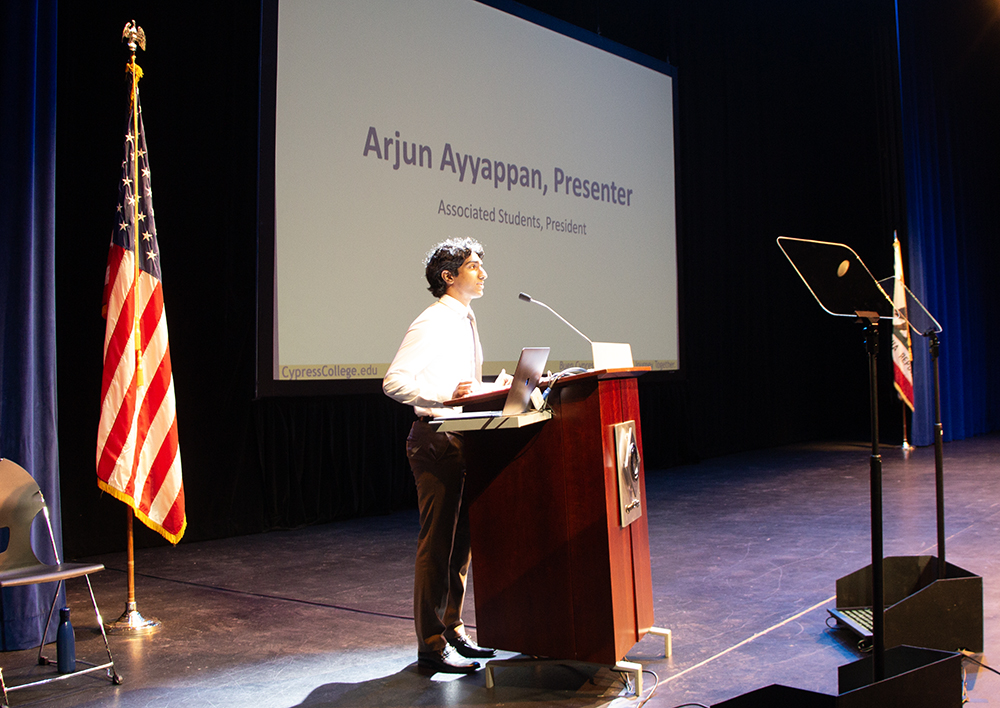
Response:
column 439, row 359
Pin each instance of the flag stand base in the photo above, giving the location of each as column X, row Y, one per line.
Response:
column 133, row 623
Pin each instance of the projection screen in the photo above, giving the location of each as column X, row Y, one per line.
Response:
column 397, row 124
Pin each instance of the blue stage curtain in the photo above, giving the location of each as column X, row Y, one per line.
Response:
column 948, row 87
column 27, row 282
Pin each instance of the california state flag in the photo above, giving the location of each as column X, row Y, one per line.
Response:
column 902, row 352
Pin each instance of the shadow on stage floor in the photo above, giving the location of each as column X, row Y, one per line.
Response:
column 745, row 554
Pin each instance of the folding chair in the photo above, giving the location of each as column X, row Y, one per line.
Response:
column 20, row 502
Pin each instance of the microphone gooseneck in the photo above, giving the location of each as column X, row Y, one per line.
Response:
column 528, row 298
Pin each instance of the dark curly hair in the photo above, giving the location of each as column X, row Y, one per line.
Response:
column 448, row 256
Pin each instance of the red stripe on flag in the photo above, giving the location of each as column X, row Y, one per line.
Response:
column 156, row 383
column 160, row 468
column 117, row 435
column 158, row 387
column 904, row 386
column 154, row 308
column 175, row 518
column 120, row 339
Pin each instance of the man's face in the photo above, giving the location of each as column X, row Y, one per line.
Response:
column 467, row 284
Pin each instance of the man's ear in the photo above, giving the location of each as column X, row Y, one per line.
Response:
column 447, row 277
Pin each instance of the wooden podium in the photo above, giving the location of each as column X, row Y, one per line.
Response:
column 556, row 573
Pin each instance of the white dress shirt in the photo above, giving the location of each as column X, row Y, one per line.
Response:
column 440, row 350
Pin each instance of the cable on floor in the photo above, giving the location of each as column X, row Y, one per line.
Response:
column 268, row 596
column 750, row 639
column 630, row 687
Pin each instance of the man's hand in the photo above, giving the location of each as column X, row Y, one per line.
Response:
column 463, row 389
column 504, row 379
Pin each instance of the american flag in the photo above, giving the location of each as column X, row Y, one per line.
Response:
column 902, row 351
column 138, row 458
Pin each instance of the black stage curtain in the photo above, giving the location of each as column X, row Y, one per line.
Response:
column 325, row 459
column 788, row 124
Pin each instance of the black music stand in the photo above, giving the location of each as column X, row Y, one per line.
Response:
column 919, row 677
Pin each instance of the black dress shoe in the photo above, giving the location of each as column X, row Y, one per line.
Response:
column 445, row 661
column 467, row 647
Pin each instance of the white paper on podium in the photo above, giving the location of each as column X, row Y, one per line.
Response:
column 612, row 355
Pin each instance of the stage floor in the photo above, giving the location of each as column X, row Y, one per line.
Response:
column 746, row 551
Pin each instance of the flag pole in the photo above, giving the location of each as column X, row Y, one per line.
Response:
column 902, row 351
column 131, row 622
column 906, row 440
column 136, row 38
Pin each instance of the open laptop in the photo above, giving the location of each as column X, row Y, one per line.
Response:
column 529, row 369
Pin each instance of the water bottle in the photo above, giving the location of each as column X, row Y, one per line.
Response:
column 65, row 644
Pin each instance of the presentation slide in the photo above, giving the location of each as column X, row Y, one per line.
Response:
column 400, row 124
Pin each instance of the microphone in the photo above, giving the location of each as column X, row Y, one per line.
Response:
column 528, row 298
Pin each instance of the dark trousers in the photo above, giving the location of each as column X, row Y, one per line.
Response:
column 443, row 547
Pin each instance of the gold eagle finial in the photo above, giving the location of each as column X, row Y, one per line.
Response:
column 135, row 36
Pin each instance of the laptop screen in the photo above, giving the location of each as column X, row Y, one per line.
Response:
column 529, row 369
